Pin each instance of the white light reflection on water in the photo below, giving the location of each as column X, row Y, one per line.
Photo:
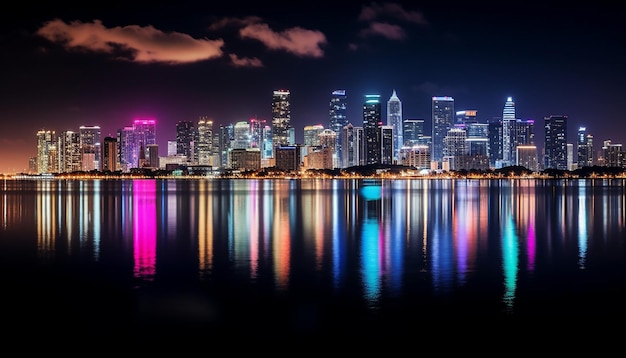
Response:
column 582, row 225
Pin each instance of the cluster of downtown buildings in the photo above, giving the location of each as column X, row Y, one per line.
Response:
column 458, row 140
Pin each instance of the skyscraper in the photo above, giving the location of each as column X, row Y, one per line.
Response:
column 338, row 114
column 494, row 128
column 555, row 145
column 69, row 152
column 584, row 148
column 109, row 154
column 351, row 152
column 90, row 147
column 46, row 152
column 442, row 121
column 394, row 119
column 125, row 147
column 412, row 131
column 508, row 137
column 185, row 133
column 371, row 128
column 386, row 145
column 144, row 133
column 203, row 143
column 242, row 135
column 281, row 117
column 312, row 135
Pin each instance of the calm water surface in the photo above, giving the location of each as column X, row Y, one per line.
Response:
column 156, row 258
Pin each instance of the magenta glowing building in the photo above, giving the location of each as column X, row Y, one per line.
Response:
column 134, row 141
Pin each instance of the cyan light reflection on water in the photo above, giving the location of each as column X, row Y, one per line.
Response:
column 390, row 237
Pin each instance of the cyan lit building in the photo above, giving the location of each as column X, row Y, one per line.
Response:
column 371, row 127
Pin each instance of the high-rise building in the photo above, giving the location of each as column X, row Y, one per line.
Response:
column 466, row 117
column 527, row 157
column 387, row 148
column 508, row 136
column 109, row 154
column 442, row 121
column 152, row 156
column 476, row 145
column 312, row 135
column 454, row 147
column 584, row 148
column 613, row 154
column 338, row 114
column 69, row 152
column 555, row 145
column 371, row 127
column 172, row 148
column 203, row 143
column 46, row 152
column 90, row 147
column 225, row 137
column 256, row 132
column 412, row 131
column 281, row 117
column 394, row 120
column 185, row 135
column 494, row 128
column 125, row 147
column 523, row 133
column 242, row 135
column 144, row 134
column 351, row 145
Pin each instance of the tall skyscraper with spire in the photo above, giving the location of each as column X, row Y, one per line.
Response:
column 394, row 119
column 508, row 140
column 442, row 121
column 338, row 118
column 281, row 117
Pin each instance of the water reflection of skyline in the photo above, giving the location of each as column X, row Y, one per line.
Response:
column 445, row 230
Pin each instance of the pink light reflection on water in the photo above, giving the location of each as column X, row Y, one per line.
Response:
column 144, row 229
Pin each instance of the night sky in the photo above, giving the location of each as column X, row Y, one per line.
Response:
column 64, row 66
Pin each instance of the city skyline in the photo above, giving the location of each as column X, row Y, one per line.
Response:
column 106, row 67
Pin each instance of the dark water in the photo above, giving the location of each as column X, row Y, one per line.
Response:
column 366, row 259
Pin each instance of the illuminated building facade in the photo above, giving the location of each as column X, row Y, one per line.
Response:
column 371, row 128
column 338, row 114
column 185, row 135
column 555, row 145
column 281, row 117
column 442, row 121
column 90, row 147
column 394, row 120
column 46, row 152
column 508, row 136
column 109, row 160
column 203, row 143
column 69, row 152
column 584, row 148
